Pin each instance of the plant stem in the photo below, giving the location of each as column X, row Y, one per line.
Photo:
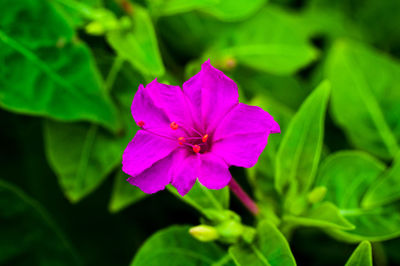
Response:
column 113, row 73
column 243, row 197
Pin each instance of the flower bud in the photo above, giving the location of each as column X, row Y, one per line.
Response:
column 230, row 63
column 95, row 28
column 249, row 233
column 218, row 216
column 230, row 231
column 317, row 194
column 204, row 233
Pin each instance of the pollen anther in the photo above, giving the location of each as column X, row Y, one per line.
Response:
column 181, row 140
column 174, row 125
column 196, row 148
column 204, row 138
column 140, row 123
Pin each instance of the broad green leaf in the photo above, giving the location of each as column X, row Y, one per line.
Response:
column 48, row 72
column 138, row 44
column 278, row 47
column 174, row 246
column 329, row 23
column 371, row 105
column 173, row 7
column 28, row 231
column 232, row 10
column 347, row 176
column 77, row 12
column 324, row 215
column 204, row 30
column 362, row 256
column 225, row 10
column 203, row 198
column 287, row 90
column 82, row 155
column 386, row 189
column 377, row 20
column 124, row 194
column 298, row 155
column 269, row 248
column 281, row 114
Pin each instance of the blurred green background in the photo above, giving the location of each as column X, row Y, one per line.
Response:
column 69, row 70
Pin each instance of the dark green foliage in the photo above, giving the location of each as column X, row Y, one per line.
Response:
column 28, row 233
column 328, row 186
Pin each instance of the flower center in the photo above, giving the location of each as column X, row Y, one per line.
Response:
column 185, row 136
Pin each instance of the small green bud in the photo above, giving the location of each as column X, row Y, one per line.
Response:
column 249, row 233
column 230, row 231
column 95, row 28
column 317, row 194
column 230, row 63
column 297, row 205
column 125, row 22
column 204, row 233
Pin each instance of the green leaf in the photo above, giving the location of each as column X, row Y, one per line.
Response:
column 203, row 198
column 48, row 72
column 282, row 114
column 371, row 105
column 324, row 215
column 298, row 155
column 225, row 10
column 232, row 10
column 269, row 248
column 282, row 49
column 28, row 231
column 278, row 87
column 83, row 155
column 78, row 12
column 173, row 7
column 138, row 44
column 261, row 176
column 386, row 189
column 175, row 246
column 348, row 175
column 362, row 256
column 124, row 194
column 330, row 23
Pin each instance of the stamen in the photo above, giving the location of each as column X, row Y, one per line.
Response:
column 190, row 129
column 196, row 148
column 174, row 125
column 140, row 123
column 181, row 140
column 204, row 138
column 159, row 135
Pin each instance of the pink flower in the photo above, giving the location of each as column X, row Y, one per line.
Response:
column 194, row 132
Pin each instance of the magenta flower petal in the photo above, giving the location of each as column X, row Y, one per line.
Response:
column 214, row 172
column 155, row 178
column 170, row 99
column 145, row 112
column 155, row 106
column 185, row 171
column 243, row 135
column 145, row 150
column 212, row 94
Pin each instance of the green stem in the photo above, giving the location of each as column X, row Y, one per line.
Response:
column 112, row 75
